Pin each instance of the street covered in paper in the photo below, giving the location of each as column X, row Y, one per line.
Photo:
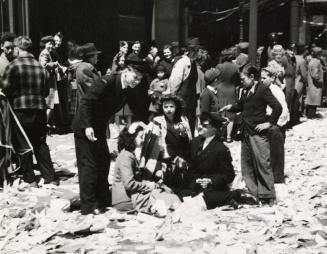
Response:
column 44, row 221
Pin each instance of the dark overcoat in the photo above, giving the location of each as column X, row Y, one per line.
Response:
column 214, row 162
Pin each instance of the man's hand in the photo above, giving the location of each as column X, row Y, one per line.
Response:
column 89, row 133
column 152, row 185
column 204, row 182
column 262, row 126
column 226, row 108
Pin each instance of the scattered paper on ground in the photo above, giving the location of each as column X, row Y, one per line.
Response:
column 36, row 220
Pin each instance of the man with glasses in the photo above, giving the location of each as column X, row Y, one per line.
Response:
column 101, row 101
column 255, row 150
column 8, row 51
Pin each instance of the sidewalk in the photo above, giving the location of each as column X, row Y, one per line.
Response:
column 297, row 224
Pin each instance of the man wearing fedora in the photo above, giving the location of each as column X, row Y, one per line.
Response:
column 86, row 73
column 101, row 101
column 208, row 99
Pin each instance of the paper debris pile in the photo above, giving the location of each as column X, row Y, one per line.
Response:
column 41, row 220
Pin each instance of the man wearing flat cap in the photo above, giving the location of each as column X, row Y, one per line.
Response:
column 241, row 58
column 208, row 98
column 101, row 101
column 211, row 169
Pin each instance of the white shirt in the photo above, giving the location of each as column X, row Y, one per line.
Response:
column 280, row 96
column 124, row 85
column 207, row 141
column 212, row 89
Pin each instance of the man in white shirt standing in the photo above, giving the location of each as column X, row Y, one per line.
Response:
column 276, row 134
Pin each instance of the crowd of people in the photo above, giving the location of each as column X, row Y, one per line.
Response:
column 177, row 105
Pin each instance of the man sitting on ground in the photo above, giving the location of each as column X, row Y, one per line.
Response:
column 211, row 169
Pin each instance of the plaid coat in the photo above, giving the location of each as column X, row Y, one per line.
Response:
column 24, row 83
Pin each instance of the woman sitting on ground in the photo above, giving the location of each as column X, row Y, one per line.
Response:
column 174, row 139
column 130, row 190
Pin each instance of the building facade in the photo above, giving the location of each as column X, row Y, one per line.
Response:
column 106, row 22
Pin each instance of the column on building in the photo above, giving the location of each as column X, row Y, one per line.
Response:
column 166, row 21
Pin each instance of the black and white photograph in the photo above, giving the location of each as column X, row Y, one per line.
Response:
column 163, row 126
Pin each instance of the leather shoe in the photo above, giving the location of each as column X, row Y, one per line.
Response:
column 95, row 211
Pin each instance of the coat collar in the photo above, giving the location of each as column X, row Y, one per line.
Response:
column 199, row 144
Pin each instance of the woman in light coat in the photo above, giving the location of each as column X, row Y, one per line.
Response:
column 315, row 83
column 45, row 59
column 131, row 189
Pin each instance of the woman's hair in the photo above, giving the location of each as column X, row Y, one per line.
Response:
column 117, row 58
column 74, row 51
column 122, row 44
column 178, row 102
column 60, row 35
column 126, row 140
column 167, row 46
column 136, row 42
column 8, row 36
column 251, row 69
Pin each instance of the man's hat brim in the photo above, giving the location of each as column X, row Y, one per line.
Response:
column 137, row 65
column 93, row 53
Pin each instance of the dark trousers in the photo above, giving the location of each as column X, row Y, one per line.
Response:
column 93, row 164
column 212, row 198
column 190, row 114
column 277, row 153
column 62, row 86
column 256, row 168
column 34, row 123
column 293, row 104
column 311, row 111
